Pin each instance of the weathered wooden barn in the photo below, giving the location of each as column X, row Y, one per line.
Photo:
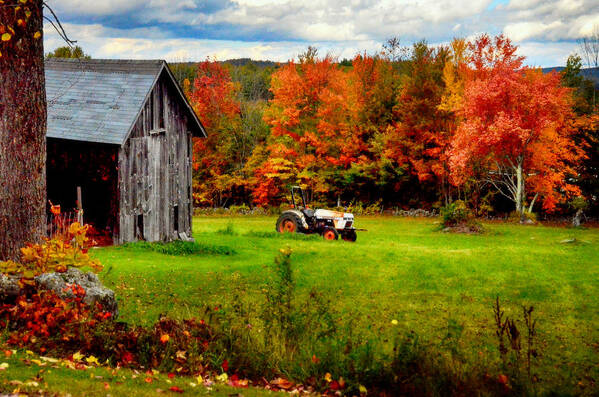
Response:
column 121, row 131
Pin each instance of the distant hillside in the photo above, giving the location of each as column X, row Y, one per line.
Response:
column 589, row 73
column 234, row 62
column 245, row 61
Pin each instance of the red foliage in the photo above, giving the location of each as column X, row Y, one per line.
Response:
column 514, row 116
column 45, row 319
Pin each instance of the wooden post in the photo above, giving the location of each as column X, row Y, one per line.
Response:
column 79, row 206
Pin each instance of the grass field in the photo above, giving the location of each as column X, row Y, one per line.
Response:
column 403, row 276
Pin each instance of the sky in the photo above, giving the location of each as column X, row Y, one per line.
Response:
column 278, row 30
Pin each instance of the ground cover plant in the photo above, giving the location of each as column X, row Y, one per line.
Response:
column 405, row 300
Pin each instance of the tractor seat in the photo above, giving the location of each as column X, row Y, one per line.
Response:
column 308, row 213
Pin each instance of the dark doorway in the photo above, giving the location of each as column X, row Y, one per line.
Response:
column 91, row 166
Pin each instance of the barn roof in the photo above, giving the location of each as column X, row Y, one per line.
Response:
column 99, row 100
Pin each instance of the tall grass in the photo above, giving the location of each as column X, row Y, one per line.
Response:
column 182, row 248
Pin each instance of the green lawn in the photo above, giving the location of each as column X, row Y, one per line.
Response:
column 401, row 269
column 29, row 374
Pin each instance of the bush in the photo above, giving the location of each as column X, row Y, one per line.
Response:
column 54, row 255
column 515, row 217
column 456, row 217
column 48, row 324
column 44, row 321
column 455, row 213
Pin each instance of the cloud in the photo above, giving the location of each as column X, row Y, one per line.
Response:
column 148, row 43
column 280, row 29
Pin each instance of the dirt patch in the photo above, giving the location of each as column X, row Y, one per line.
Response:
column 465, row 228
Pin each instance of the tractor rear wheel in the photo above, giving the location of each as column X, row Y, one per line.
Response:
column 349, row 235
column 330, row 233
column 288, row 223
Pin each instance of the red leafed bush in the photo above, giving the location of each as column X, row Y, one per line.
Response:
column 44, row 322
column 43, row 319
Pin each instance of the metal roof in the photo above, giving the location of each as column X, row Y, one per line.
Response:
column 99, row 100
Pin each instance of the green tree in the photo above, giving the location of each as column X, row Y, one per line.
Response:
column 68, row 52
column 583, row 88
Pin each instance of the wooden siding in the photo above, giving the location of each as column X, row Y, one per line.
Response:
column 155, row 173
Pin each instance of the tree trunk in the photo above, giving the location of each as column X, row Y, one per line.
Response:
column 22, row 128
column 576, row 222
column 519, row 191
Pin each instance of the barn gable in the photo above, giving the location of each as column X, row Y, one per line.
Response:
column 100, row 100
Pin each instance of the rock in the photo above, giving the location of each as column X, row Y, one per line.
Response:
column 9, row 286
column 95, row 292
column 183, row 237
column 58, row 282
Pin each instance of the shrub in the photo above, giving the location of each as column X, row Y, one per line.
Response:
column 44, row 321
column 455, row 213
column 579, row 204
column 516, row 217
column 54, row 255
column 456, row 217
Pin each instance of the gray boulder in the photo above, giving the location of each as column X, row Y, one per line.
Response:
column 9, row 286
column 95, row 292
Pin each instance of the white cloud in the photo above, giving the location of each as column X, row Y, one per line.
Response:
column 284, row 28
column 103, row 42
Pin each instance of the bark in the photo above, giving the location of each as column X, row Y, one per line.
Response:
column 532, row 203
column 577, row 221
column 22, row 130
column 519, row 190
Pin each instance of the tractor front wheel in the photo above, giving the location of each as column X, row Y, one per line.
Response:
column 349, row 235
column 288, row 223
column 330, row 234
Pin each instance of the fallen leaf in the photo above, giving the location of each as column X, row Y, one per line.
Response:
column 282, row 383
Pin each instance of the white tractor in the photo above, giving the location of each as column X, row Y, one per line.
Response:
column 329, row 224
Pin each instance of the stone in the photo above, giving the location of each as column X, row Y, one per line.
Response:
column 9, row 286
column 95, row 292
column 58, row 282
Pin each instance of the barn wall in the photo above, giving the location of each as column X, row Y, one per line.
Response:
column 155, row 171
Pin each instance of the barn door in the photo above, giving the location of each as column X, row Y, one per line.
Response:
column 156, row 225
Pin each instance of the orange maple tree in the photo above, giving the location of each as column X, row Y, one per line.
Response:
column 420, row 133
column 517, row 122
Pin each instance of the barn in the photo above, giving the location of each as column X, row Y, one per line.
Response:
column 120, row 132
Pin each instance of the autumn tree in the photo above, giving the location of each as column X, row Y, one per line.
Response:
column 303, row 139
column 586, row 128
column 515, row 122
column 213, row 98
column 235, row 125
column 22, row 126
column 420, row 132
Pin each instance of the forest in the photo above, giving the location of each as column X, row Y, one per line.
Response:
column 409, row 127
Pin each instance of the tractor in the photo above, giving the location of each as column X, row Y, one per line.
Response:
column 329, row 224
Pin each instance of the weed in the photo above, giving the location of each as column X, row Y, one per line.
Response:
column 229, row 230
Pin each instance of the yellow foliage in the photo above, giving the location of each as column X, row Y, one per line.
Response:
column 54, row 255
